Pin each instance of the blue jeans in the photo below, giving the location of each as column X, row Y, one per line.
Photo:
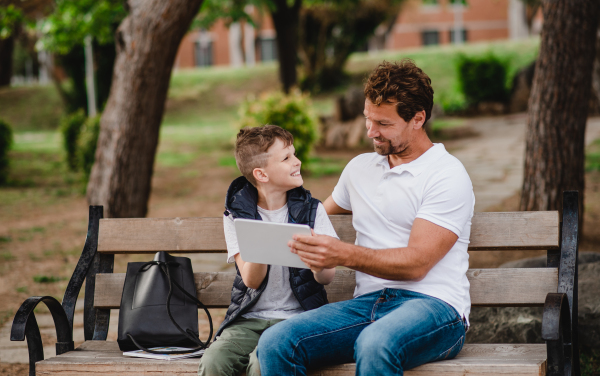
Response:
column 385, row 332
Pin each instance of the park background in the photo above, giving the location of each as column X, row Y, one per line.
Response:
column 227, row 72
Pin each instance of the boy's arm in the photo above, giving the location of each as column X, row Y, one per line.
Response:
column 252, row 274
column 324, row 276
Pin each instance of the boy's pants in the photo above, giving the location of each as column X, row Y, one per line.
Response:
column 234, row 351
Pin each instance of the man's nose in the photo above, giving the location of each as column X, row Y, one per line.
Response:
column 372, row 130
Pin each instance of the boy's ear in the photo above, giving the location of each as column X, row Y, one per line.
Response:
column 260, row 175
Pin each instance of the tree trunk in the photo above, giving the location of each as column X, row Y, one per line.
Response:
column 286, row 20
column 596, row 72
column 558, row 105
column 6, row 55
column 146, row 43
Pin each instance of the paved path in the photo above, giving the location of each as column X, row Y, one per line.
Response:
column 494, row 160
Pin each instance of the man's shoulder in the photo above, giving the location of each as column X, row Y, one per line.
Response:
column 364, row 160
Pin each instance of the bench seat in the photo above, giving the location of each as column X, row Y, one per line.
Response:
column 105, row 358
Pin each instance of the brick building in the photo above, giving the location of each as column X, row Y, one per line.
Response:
column 419, row 23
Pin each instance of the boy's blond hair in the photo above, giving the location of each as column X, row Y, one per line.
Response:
column 252, row 144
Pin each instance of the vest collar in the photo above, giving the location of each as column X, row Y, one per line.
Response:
column 242, row 198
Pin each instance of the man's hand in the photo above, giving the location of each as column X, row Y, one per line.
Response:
column 319, row 251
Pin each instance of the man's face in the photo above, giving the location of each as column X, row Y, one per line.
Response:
column 283, row 168
column 390, row 133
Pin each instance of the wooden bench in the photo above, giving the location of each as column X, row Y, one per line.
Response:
column 554, row 288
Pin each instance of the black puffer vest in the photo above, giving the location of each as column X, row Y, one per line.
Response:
column 240, row 202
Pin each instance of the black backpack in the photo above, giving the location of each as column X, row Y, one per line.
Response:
column 159, row 307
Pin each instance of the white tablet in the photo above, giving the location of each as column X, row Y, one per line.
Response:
column 266, row 242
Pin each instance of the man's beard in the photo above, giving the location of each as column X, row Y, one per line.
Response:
column 387, row 148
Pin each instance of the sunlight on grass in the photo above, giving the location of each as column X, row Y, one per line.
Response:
column 40, row 141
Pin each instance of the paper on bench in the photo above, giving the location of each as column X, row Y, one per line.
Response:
column 144, row 354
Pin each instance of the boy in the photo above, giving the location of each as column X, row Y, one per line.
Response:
column 263, row 295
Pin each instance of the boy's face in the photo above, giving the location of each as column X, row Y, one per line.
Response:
column 283, row 168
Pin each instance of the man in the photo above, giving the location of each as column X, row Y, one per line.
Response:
column 412, row 204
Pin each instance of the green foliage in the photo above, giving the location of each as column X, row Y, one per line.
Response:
column 73, row 20
column 80, row 136
column 483, row 78
column 70, row 127
column 6, row 140
column 63, row 32
column 291, row 112
column 86, row 145
column 10, row 17
column 332, row 30
column 590, row 362
column 227, row 10
column 47, row 279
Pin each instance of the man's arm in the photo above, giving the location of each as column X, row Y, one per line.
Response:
column 332, row 208
column 252, row 274
column 427, row 245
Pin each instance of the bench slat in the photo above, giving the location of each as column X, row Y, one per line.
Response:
column 490, row 231
column 104, row 358
column 489, row 287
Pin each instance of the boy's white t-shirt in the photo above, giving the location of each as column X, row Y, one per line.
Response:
column 277, row 300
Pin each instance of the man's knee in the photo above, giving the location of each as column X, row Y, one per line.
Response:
column 371, row 345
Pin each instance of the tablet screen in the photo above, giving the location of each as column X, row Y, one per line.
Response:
column 266, row 242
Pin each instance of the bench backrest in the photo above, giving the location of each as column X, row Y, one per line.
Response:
column 489, row 231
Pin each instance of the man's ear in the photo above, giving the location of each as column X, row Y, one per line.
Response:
column 260, row 175
column 419, row 119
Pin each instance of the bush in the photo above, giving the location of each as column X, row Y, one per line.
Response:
column 483, row 78
column 70, row 127
column 6, row 139
column 86, row 145
column 291, row 112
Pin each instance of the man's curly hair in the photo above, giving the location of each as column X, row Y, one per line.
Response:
column 403, row 84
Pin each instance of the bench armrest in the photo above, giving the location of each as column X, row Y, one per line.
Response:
column 556, row 331
column 25, row 326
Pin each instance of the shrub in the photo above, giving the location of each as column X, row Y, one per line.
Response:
column 291, row 112
column 483, row 78
column 86, row 145
column 6, row 139
column 70, row 127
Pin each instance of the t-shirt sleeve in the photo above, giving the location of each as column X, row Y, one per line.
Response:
column 323, row 225
column 448, row 200
column 230, row 238
column 340, row 194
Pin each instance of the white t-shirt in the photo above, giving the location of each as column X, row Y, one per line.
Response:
column 385, row 202
column 277, row 300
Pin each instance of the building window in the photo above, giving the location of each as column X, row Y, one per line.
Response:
column 268, row 49
column 464, row 35
column 204, row 53
column 430, row 37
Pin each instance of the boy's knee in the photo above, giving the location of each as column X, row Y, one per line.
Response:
column 219, row 362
